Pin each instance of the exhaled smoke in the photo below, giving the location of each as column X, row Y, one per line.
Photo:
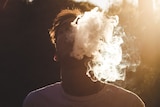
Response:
column 100, row 37
column 103, row 4
column 95, row 37
column 106, row 4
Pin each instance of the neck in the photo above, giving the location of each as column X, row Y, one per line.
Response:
column 77, row 83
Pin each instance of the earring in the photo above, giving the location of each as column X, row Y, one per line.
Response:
column 55, row 58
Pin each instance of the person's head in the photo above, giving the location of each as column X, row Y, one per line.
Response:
column 83, row 42
column 62, row 35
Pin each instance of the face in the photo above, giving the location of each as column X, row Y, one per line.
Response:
column 64, row 45
column 65, row 39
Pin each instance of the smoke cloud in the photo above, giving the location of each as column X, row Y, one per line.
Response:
column 100, row 37
column 102, row 4
column 95, row 37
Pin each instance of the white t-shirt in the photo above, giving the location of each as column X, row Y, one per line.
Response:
column 54, row 96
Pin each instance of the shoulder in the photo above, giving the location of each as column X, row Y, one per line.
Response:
column 41, row 95
column 122, row 95
column 46, row 91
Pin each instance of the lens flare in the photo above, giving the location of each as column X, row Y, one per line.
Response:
column 156, row 4
column 133, row 2
column 29, row 1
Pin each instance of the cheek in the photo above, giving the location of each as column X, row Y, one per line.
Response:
column 64, row 48
column 65, row 41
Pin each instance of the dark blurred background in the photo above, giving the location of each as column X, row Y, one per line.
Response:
column 26, row 52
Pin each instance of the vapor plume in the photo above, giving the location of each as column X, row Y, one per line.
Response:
column 94, row 38
column 102, row 4
column 100, row 37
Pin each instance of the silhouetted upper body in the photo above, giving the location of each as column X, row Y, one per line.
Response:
column 76, row 89
column 109, row 96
